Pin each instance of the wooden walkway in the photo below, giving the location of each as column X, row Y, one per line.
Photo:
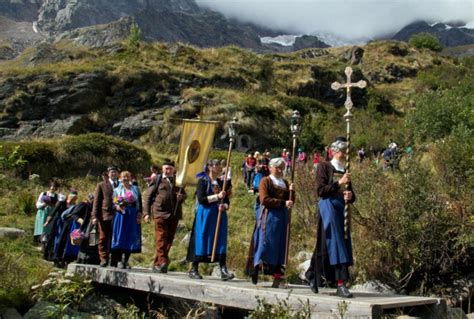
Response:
column 243, row 294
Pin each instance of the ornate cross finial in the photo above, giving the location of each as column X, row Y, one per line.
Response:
column 348, row 86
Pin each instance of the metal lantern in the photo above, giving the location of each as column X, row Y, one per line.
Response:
column 233, row 129
column 295, row 123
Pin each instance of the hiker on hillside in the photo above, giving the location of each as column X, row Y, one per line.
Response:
column 163, row 202
column 333, row 252
column 103, row 211
column 126, row 225
column 268, row 244
column 211, row 198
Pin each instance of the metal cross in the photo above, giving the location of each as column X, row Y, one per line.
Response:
column 348, row 86
column 348, row 116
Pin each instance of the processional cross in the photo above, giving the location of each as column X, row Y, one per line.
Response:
column 348, row 117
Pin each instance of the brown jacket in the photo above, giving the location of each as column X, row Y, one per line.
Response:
column 103, row 208
column 160, row 199
column 271, row 196
column 326, row 186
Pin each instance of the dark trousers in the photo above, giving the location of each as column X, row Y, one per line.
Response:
column 165, row 229
column 105, row 239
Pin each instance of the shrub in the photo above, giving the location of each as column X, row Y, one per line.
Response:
column 135, row 36
column 425, row 41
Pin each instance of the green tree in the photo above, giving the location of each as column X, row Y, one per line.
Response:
column 135, row 36
column 425, row 40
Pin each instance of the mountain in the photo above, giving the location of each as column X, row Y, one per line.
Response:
column 98, row 23
column 449, row 35
column 20, row 10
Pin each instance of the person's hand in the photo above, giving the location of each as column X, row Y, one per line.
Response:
column 46, row 223
column 346, row 178
column 347, row 195
column 94, row 221
column 179, row 197
column 221, row 195
column 292, row 187
column 221, row 208
column 147, row 218
column 139, row 220
column 289, row 204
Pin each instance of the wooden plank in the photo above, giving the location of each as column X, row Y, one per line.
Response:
column 243, row 294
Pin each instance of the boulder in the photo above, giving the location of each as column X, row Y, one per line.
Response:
column 456, row 313
column 354, row 55
column 11, row 233
column 308, row 41
column 10, row 313
column 373, row 286
column 303, row 268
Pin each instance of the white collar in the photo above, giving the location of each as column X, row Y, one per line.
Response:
column 278, row 181
column 337, row 165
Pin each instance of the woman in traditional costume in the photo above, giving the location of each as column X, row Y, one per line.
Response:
column 126, row 232
column 64, row 251
column 211, row 199
column 88, row 251
column 268, row 245
column 52, row 228
column 45, row 204
column 333, row 252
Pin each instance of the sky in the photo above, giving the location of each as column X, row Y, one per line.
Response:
column 347, row 18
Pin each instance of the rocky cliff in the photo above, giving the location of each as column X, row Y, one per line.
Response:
column 448, row 35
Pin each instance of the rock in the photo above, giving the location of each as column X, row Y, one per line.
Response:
column 11, row 233
column 470, row 315
column 99, row 36
column 302, row 268
column 10, row 313
column 216, row 272
column 354, row 55
column 186, row 239
column 304, row 255
column 456, row 313
column 100, row 305
column 373, row 286
column 44, row 309
column 308, row 41
column 6, row 53
column 136, row 125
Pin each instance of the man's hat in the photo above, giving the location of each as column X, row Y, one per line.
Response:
column 341, row 139
column 168, row 162
column 112, row 168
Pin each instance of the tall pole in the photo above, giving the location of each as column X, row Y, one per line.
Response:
column 295, row 129
column 232, row 135
column 348, row 117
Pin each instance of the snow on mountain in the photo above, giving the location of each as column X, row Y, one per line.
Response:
column 286, row 40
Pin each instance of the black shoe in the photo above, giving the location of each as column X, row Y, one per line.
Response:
column 194, row 274
column 255, row 277
column 313, row 286
column 276, row 282
column 225, row 274
column 104, row 263
column 161, row 269
column 343, row 292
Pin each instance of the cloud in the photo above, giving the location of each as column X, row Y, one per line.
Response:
column 349, row 18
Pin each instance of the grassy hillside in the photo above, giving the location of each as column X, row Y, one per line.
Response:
column 412, row 228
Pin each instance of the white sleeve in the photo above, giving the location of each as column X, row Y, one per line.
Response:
column 39, row 203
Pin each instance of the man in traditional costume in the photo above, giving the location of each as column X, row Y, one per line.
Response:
column 211, row 199
column 164, row 200
column 268, row 245
column 333, row 252
column 103, row 212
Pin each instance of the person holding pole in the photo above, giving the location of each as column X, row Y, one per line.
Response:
column 212, row 201
column 163, row 202
column 269, row 240
column 333, row 252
